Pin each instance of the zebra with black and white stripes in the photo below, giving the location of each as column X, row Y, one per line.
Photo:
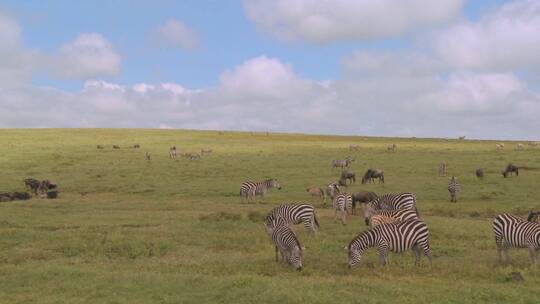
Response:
column 251, row 189
column 292, row 214
column 390, row 201
column 342, row 204
column 392, row 216
column 342, row 162
column 286, row 242
column 396, row 237
column 454, row 188
column 513, row 231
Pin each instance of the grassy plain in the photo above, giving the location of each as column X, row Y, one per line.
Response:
column 126, row 230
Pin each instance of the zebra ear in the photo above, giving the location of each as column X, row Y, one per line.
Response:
column 345, row 248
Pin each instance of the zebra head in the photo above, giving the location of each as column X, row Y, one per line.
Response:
column 274, row 183
column 368, row 213
column 296, row 258
column 271, row 222
column 354, row 256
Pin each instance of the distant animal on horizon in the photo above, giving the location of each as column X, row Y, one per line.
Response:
column 499, row 146
column 100, row 147
column 147, row 156
column 392, row 148
column 116, row 147
column 442, row 168
column 136, row 146
column 354, row 148
column 172, row 152
column 205, row 151
column 194, row 156
column 519, row 147
column 461, row 137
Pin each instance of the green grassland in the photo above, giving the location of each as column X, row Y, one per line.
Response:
column 127, row 230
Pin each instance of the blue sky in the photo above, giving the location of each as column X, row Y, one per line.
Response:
column 391, row 61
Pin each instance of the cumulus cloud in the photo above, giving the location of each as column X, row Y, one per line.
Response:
column 325, row 21
column 175, row 34
column 89, row 55
column 504, row 39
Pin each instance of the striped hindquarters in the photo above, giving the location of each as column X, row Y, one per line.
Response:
column 292, row 214
column 513, row 231
column 454, row 188
column 343, row 202
column 394, row 201
column 391, row 216
column 287, row 244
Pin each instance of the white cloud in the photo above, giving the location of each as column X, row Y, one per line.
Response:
column 175, row 34
column 504, row 39
column 89, row 55
column 325, row 21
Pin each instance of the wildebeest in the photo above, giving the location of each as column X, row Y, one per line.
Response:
column 14, row 196
column 52, row 194
column 362, row 197
column 33, row 184
column 371, row 174
column 392, row 148
column 479, row 173
column 45, row 186
column 316, row 192
column 461, row 137
column 342, row 162
column 147, row 156
column 510, row 169
column 116, row 147
column 100, row 147
column 136, row 146
column 354, row 147
column 348, row 175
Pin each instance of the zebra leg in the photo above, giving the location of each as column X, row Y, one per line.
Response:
column 344, row 217
column 277, row 258
column 383, row 255
column 416, row 250
column 533, row 254
column 427, row 251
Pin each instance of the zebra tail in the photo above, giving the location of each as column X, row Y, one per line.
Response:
column 315, row 220
column 416, row 209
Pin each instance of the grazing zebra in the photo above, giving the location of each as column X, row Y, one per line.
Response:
column 513, row 231
column 316, row 192
column 172, row 152
column 396, row 237
column 343, row 163
column 371, row 174
column 510, row 169
column 454, row 188
column 286, row 242
column 392, row 148
column 292, row 214
column 442, row 168
column 332, row 190
column 534, row 217
column 499, row 146
column 147, row 156
column 194, row 156
column 461, row 137
column 391, row 216
column 250, row 189
column 33, row 184
column 391, row 201
column 348, row 175
column 100, row 147
column 342, row 204
column 479, row 173
column 116, row 147
column 519, row 147
column 354, row 147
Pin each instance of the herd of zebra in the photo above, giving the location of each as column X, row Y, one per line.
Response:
column 173, row 152
column 394, row 220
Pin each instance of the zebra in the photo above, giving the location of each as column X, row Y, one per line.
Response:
column 33, row 184
column 519, row 147
column 390, row 201
column 291, row 214
column 286, row 242
column 205, row 151
column 442, row 168
column 354, row 147
column 342, row 204
column 343, row 163
column 454, row 188
column 397, row 237
column 194, row 156
column 461, row 137
column 513, row 231
column 332, row 190
column 391, row 216
column 251, row 189
column 499, row 146
column 392, row 148
column 172, row 152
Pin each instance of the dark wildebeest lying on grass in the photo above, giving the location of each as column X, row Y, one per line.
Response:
column 347, row 175
column 100, row 147
column 116, row 147
column 362, row 197
column 510, row 169
column 371, row 174
column 14, row 196
column 479, row 173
